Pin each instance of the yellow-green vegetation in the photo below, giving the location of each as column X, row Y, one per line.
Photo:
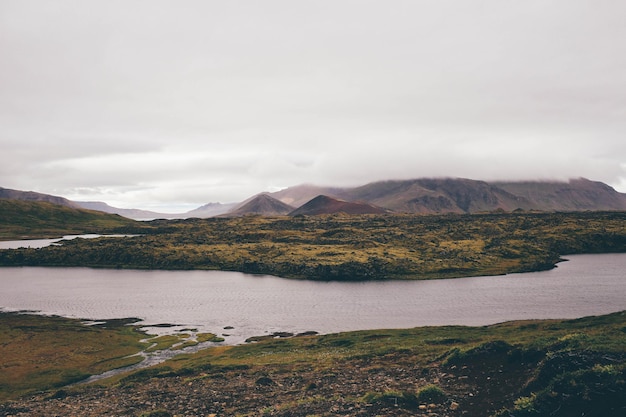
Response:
column 34, row 219
column 349, row 247
column 41, row 352
column 209, row 337
column 165, row 342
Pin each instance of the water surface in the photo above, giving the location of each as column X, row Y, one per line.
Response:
column 256, row 305
column 42, row 243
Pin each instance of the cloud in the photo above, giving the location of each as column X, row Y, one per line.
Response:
column 155, row 102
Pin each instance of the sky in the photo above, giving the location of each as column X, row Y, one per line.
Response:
column 169, row 105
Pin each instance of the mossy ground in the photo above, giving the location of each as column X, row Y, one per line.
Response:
column 40, row 352
column 341, row 247
column 544, row 367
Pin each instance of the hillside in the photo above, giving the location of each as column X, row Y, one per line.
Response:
column 262, row 204
column 9, row 194
column 575, row 195
column 300, row 194
column 458, row 195
column 438, row 196
column 327, row 205
column 39, row 219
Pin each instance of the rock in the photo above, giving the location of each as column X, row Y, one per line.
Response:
column 454, row 406
column 264, row 381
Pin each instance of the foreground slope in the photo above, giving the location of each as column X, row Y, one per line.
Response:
column 558, row 368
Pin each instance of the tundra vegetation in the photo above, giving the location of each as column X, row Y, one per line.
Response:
column 527, row 368
column 39, row 352
column 346, row 247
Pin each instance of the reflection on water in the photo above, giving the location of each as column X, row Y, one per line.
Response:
column 256, row 305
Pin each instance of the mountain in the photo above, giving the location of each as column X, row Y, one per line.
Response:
column 136, row 214
column 575, row 195
column 262, row 204
column 323, row 204
column 300, row 194
column 442, row 195
column 459, row 195
column 33, row 196
column 208, row 210
column 424, row 196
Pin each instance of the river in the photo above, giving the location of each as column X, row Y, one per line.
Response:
column 239, row 305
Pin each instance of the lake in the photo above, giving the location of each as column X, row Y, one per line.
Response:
column 41, row 243
column 257, row 305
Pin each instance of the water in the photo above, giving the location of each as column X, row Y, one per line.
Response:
column 258, row 305
column 41, row 243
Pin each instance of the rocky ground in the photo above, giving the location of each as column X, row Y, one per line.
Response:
column 384, row 386
column 557, row 368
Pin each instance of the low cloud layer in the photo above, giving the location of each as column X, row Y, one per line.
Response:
column 159, row 104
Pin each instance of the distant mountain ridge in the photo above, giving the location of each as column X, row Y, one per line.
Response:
column 207, row 210
column 130, row 213
column 423, row 196
column 260, row 204
column 323, row 204
column 431, row 196
column 459, row 195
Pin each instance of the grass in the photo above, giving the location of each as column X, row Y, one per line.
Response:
column 41, row 352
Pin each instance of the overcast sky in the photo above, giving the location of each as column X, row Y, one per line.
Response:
column 174, row 104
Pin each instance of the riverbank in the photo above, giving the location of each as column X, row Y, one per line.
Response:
column 546, row 367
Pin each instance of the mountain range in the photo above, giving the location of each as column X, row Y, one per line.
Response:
column 424, row 196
